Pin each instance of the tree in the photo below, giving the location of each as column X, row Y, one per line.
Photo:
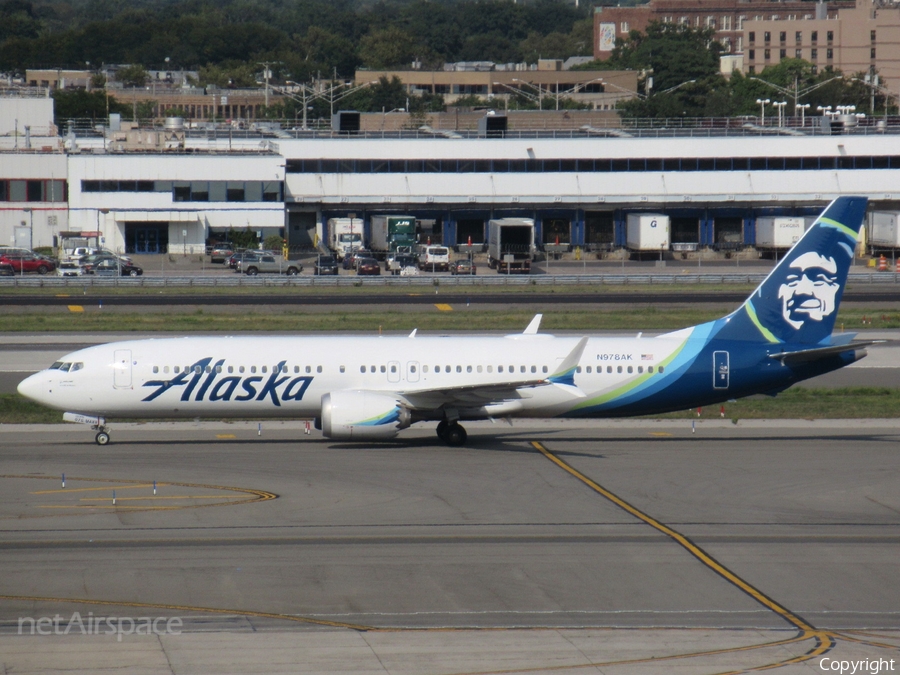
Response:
column 387, row 48
column 670, row 53
column 133, row 75
column 80, row 104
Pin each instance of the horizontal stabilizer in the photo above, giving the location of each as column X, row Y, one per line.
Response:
column 807, row 355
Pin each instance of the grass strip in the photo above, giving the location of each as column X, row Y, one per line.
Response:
column 471, row 319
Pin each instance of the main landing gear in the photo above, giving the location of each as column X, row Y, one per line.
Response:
column 452, row 433
column 102, row 437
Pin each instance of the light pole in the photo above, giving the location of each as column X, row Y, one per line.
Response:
column 540, row 91
column 763, row 102
column 780, row 106
column 803, row 107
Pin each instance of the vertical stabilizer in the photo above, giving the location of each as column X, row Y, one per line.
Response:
column 798, row 302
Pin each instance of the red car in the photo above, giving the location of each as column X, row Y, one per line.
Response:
column 26, row 261
column 367, row 266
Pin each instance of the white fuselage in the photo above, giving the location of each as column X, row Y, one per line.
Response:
column 288, row 376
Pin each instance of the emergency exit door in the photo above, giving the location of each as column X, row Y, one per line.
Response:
column 122, row 366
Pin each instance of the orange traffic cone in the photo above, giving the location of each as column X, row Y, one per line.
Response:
column 882, row 264
column 470, row 241
column 898, row 266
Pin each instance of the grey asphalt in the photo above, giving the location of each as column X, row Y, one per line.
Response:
column 406, row 557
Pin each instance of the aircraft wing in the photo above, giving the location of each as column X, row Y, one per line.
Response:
column 495, row 392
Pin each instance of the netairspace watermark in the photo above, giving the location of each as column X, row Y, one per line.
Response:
column 863, row 666
column 100, row 625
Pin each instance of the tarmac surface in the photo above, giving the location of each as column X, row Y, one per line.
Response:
column 548, row 547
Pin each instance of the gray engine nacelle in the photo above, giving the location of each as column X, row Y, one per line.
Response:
column 361, row 415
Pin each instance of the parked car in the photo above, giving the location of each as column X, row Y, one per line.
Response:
column 325, row 264
column 368, row 266
column 6, row 270
column 462, row 267
column 268, row 263
column 27, row 261
column 400, row 261
column 69, row 268
column 90, row 262
column 351, row 258
column 220, row 254
column 114, row 266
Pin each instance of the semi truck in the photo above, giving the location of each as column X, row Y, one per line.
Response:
column 647, row 232
column 392, row 233
column 345, row 235
column 780, row 232
column 511, row 245
column 884, row 229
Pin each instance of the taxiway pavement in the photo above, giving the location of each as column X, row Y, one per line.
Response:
column 603, row 546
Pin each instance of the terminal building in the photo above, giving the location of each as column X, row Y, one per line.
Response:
column 177, row 190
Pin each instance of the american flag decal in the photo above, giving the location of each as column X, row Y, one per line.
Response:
column 646, row 357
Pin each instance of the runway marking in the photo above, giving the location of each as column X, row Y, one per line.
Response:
column 243, row 496
column 662, row 434
column 683, row 541
column 225, row 436
column 444, row 307
column 76, row 308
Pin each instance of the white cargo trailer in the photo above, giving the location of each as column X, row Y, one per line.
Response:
column 884, row 229
column 781, row 231
column 647, row 232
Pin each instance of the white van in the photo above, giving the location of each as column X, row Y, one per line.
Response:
column 433, row 258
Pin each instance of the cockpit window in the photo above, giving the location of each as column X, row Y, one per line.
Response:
column 78, row 365
column 56, row 365
column 65, row 367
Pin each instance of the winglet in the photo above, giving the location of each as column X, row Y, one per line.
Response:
column 413, row 334
column 533, row 327
column 565, row 374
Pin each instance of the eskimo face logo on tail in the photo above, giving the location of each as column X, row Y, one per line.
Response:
column 810, row 289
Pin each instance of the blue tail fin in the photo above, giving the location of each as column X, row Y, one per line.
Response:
column 798, row 301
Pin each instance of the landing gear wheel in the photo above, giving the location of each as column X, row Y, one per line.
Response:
column 455, row 435
column 102, row 438
column 442, row 429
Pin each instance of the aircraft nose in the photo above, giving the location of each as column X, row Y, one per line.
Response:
column 34, row 387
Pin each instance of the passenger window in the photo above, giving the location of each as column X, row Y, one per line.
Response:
column 412, row 369
column 619, row 369
column 499, row 369
column 265, row 369
column 446, row 369
column 155, row 369
column 458, row 369
column 165, row 369
column 468, row 369
column 588, row 369
column 393, row 369
column 383, row 369
column 208, row 369
column 342, row 369
column 630, row 369
column 424, row 369
column 362, row 369
column 478, row 368
column 177, row 369
column 218, row 369
column 512, row 369
column 660, row 370
column 490, row 369
column 284, row 369
column 578, row 369
column 296, row 369
column 544, row 369
column 533, row 369
column 649, row 369
column 521, row 369
column 240, row 369
column 252, row 369
column 308, row 369
column 230, row 369
column 198, row 369
column 608, row 369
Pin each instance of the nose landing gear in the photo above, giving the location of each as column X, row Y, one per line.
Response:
column 102, row 437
